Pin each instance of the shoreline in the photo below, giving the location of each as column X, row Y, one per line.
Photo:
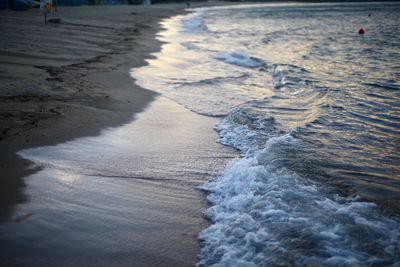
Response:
column 157, row 209
column 127, row 197
column 71, row 98
column 124, row 191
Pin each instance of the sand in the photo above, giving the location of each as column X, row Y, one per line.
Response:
column 127, row 197
column 60, row 82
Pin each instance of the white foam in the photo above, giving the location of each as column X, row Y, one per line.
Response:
column 264, row 214
column 178, row 71
column 245, row 130
column 239, row 58
column 194, row 23
column 279, row 82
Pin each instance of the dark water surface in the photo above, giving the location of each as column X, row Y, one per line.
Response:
column 314, row 108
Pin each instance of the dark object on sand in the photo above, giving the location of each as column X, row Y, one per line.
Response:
column 361, row 31
column 55, row 20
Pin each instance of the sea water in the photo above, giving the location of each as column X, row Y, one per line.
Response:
column 313, row 107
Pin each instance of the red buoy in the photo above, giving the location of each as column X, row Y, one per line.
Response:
column 361, row 31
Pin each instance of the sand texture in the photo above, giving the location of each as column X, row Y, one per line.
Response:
column 61, row 81
column 132, row 199
column 125, row 198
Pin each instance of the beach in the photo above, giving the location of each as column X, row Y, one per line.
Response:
column 253, row 134
column 312, row 106
column 62, row 81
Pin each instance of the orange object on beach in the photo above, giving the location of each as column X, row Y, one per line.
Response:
column 47, row 7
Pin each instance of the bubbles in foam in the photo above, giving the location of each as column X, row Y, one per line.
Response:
column 263, row 212
column 246, row 129
column 266, row 215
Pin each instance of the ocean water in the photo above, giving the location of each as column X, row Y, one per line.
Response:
column 313, row 107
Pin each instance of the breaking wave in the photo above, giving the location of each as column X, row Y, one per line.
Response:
column 239, row 58
column 314, row 113
column 264, row 214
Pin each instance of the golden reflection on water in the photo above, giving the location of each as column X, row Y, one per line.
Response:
column 67, row 178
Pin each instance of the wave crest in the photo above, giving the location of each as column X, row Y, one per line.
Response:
column 264, row 213
column 240, row 58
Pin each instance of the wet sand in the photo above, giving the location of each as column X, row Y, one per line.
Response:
column 50, row 91
column 59, row 82
column 125, row 198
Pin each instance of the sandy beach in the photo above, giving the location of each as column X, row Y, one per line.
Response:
column 71, row 79
column 114, row 118
column 61, row 81
column 125, row 198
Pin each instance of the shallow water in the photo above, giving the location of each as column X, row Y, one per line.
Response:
column 124, row 198
column 313, row 107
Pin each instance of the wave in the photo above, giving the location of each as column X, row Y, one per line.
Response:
column 305, row 127
column 194, row 23
column 213, row 81
column 190, row 46
column 288, row 75
column 246, row 129
column 240, row 58
column 388, row 85
column 265, row 214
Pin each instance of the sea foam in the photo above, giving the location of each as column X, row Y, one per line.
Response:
column 267, row 207
column 239, row 58
column 264, row 214
column 194, row 23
